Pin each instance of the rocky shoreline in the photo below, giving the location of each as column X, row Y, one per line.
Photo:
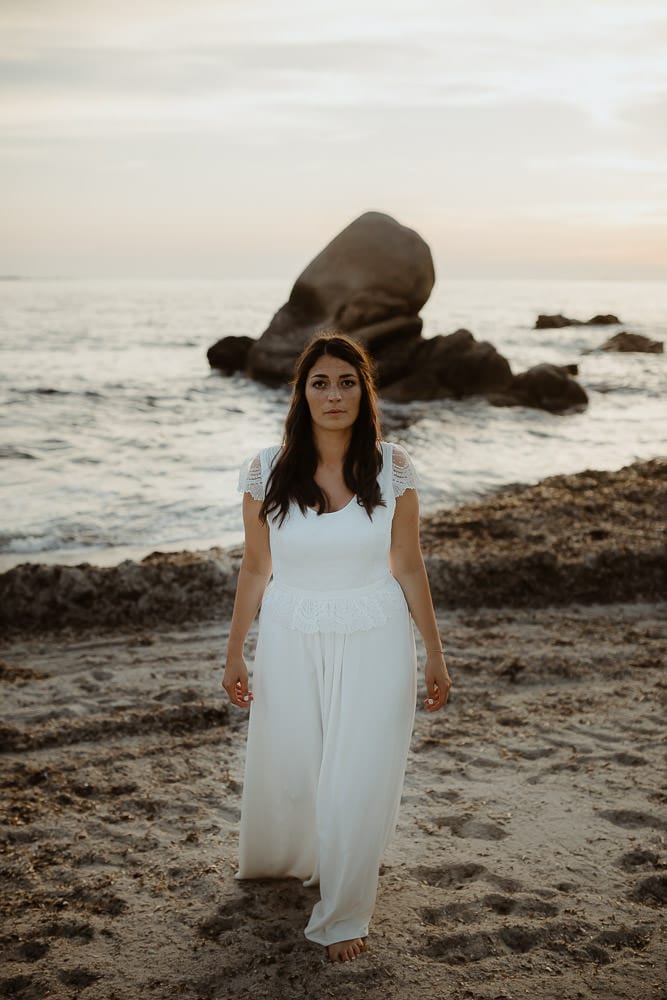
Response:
column 591, row 537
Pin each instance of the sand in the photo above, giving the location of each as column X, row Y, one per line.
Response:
column 528, row 860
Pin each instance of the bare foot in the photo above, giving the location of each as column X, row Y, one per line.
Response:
column 344, row 951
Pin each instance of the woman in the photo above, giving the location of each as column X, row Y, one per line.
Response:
column 333, row 513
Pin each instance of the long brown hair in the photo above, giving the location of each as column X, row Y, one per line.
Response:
column 292, row 476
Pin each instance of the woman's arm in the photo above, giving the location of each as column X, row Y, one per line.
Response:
column 407, row 566
column 254, row 574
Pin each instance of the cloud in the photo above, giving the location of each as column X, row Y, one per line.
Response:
column 220, row 111
column 254, row 54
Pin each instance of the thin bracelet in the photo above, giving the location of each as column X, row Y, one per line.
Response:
column 435, row 651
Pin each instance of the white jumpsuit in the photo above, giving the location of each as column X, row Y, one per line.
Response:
column 334, row 684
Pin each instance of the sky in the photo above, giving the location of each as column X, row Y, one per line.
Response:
column 236, row 138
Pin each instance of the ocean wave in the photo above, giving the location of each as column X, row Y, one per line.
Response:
column 130, row 439
column 47, row 390
column 8, row 451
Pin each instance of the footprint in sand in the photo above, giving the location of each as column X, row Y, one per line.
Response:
column 651, row 891
column 24, row 987
column 525, row 906
column 456, row 875
column 468, row 826
column 69, row 929
column 638, row 858
column 577, row 940
column 632, row 819
column 78, row 979
column 476, row 910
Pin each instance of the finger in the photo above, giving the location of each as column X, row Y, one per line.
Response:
column 444, row 698
column 238, row 694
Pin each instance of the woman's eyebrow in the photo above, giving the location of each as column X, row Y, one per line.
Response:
column 322, row 375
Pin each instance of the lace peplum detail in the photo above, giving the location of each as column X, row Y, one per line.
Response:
column 346, row 611
column 403, row 473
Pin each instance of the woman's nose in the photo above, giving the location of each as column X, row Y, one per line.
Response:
column 334, row 392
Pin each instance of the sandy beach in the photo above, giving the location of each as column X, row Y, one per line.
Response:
column 528, row 860
column 471, row 198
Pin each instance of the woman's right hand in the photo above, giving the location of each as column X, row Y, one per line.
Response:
column 235, row 682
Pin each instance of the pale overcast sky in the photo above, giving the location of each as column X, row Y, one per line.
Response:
column 222, row 138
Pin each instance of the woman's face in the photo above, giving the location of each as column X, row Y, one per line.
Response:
column 333, row 393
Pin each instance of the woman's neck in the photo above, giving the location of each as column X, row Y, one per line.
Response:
column 331, row 446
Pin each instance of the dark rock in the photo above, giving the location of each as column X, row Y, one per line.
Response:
column 632, row 342
column 546, row 387
column 456, row 365
column 162, row 587
column 604, row 320
column 395, row 353
column 369, row 282
column 230, row 354
column 545, row 322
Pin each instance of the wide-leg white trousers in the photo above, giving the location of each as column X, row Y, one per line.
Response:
column 328, row 737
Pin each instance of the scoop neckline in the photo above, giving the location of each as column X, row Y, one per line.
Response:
column 328, row 513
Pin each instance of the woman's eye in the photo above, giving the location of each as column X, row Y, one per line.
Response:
column 318, row 383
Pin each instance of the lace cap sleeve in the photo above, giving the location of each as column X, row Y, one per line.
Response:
column 250, row 477
column 404, row 474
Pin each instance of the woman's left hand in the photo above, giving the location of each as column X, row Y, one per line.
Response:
column 438, row 682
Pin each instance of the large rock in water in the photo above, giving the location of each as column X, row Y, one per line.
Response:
column 458, row 365
column 445, row 367
column 544, row 387
column 369, row 282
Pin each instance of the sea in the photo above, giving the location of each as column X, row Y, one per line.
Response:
column 117, row 439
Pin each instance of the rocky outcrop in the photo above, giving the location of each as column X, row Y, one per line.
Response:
column 175, row 586
column 450, row 366
column 546, row 387
column 593, row 537
column 369, row 282
column 230, row 354
column 458, row 365
column 632, row 342
column 545, row 322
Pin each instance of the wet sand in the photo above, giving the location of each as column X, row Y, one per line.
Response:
column 528, row 860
